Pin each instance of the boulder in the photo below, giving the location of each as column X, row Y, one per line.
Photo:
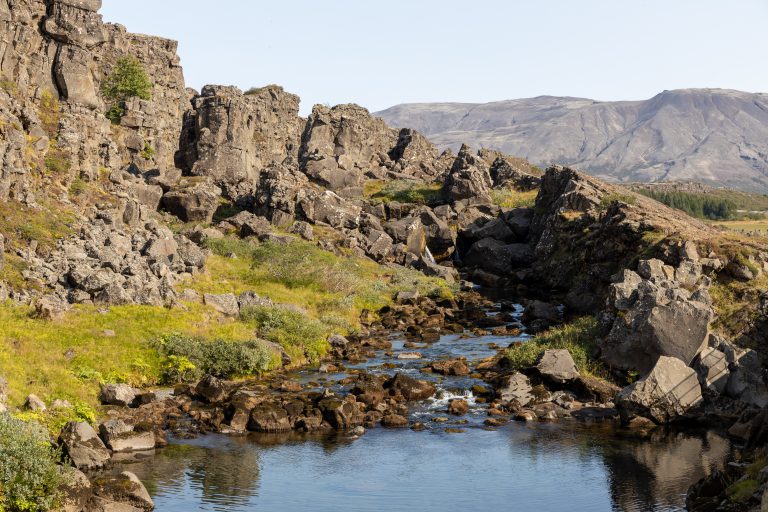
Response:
column 225, row 303
column 497, row 257
column 120, row 437
column 455, row 367
column 34, row 403
column 121, row 492
column 75, row 491
column 121, row 395
column 557, row 365
column 269, row 417
column 83, row 446
column 515, row 388
column 653, row 319
column 211, row 390
column 458, row 407
column 342, row 414
column 394, row 421
column 409, row 388
column 193, row 200
column 667, row 392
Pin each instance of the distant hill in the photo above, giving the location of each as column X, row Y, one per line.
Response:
column 714, row 136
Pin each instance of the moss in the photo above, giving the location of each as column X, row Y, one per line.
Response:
column 578, row 337
column 742, row 490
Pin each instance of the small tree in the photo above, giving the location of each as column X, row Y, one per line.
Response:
column 127, row 80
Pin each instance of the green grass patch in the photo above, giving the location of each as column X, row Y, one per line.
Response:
column 295, row 332
column 742, row 490
column 578, row 337
column 511, row 198
column 404, row 191
column 68, row 359
column 20, row 224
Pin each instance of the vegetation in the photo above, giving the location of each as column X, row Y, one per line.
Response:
column 50, row 113
column 291, row 329
column 127, row 80
column 609, row 199
column 148, row 153
column 77, row 187
column 701, row 206
column 21, row 224
column 404, row 191
column 511, row 198
column 188, row 358
column 578, row 337
column 737, row 304
column 29, row 475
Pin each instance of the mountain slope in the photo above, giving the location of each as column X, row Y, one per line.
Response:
column 715, row 136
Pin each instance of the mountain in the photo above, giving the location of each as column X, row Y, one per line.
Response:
column 715, row 136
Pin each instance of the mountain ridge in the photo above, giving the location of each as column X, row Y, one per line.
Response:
column 716, row 136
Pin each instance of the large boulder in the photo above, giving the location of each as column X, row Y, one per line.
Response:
column 667, row 392
column 211, row 389
column 497, row 257
column 193, row 200
column 121, row 395
column 557, row 365
column 120, row 437
column 653, row 317
column 409, row 388
column 121, row 492
column 83, row 446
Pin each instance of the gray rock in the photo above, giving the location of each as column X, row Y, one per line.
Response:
column 667, row 392
column 121, row 395
column 34, row 403
column 211, row 390
column 224, row 303
column 516, row 387
column 303, row 229
column 557, row 365
column 193, row 201
column 121, row 438
column 122, row 492
column 83, row 446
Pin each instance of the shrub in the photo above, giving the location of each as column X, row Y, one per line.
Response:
column 578, row 338
column 50, row 113
column 289, row 328
column 188, row 358
column 77, row 187
column 148, row 153
column 127, row 80
column 29, row 475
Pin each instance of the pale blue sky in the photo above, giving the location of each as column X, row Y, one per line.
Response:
column 380, row 53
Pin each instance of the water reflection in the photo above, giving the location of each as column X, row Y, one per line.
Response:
column 520, row 467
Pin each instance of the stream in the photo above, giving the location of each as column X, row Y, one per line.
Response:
column 455, row 463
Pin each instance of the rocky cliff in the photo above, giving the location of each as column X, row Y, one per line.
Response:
column 708, row 135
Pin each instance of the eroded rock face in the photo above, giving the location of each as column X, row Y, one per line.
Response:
column 667, row 392
column 341, row 145
column 656, row 317
column 230, row 137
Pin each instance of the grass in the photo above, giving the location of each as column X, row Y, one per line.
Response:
column 759, row 227
column 403, row 191
column 66, row 359
column 511, row 198
column 331, row 288
column 578, row 337
column 737, row 304
column 609, row 199
column 20, row 224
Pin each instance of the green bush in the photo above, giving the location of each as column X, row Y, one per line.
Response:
column 407, row 191
column 188, row 358
column 289, row 328
column 29, row 475
column 578, row 337
column 77, row 187
column 127, row 80
column 148, row 153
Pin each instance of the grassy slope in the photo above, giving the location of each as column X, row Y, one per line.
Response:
column 68, row 358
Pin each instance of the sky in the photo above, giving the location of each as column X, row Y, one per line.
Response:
column 381, row 53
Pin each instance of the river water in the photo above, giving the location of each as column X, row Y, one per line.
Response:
column 455, row 465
